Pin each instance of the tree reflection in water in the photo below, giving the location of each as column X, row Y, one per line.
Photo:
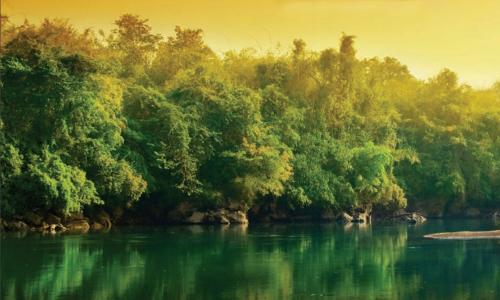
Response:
column 261, row 262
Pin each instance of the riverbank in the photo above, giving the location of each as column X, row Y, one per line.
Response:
column 236, row 214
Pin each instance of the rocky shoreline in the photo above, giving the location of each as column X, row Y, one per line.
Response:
column 185, row 214
column 78, row 223
column 51, row 223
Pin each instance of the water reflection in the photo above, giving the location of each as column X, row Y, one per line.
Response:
column 262, row 262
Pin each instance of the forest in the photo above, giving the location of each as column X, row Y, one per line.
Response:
column 134, row 120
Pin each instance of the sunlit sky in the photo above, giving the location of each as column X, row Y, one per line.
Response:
column 426, row 35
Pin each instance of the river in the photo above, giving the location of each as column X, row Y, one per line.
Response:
column 318, row 261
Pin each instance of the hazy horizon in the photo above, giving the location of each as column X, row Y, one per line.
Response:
column 427, row 36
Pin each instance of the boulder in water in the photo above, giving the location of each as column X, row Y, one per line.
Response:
column 216, row 217
column 78, row 226
column 411, row 218
column 56, row 228
column 237, row 217
column 103, row 218
column 361, row 217
column 16, row 225
column 415, row 218
column 96, row 226
column 196, row 217
column 344, row 218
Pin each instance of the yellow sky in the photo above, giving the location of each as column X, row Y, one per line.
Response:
column 426, row 35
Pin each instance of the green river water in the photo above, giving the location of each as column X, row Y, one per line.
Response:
column 318, row 261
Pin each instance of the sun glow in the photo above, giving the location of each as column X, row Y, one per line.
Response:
column 426, row 35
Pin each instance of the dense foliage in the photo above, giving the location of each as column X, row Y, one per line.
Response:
column 130, row 118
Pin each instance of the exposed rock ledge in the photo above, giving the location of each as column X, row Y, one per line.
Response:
column 465, row 235
column 49, row 223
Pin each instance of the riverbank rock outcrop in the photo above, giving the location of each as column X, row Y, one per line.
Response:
column 78, row 226
column 197, row 217
column 411, row 218
column 344, row 218
column 218, row 216
column 16, row 225
column 237, row 217
column 361, row 216
column 100, row 220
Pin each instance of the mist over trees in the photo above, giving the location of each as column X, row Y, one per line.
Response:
column 130, row 118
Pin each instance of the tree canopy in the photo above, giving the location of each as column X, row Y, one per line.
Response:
column 128, row 117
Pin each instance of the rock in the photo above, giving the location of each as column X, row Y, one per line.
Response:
column 237, row 217
column 3, row 225
column 56, row 228
column 96, row 226
column 216, row 217
column 472, row 212
column 221, row 217
column 103, row 219
column 52, row 219
column 223, row 220
column 411, row 218
column 17, row 226
column 344, row 218
column 196, row 218
column 416, row 218
column 361, row 217
column 78, row 226
column 33, row 218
